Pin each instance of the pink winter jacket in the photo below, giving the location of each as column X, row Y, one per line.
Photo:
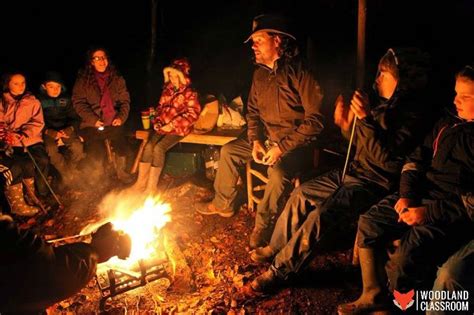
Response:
column 22, row 117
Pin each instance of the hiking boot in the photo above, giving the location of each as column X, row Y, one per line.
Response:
column 266, row 282
column 263, row 255
column 207, row 208
column 259, row 238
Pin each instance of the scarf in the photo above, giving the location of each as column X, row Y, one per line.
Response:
column 106, row 103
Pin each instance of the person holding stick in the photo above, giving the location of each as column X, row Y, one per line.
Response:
column 322, row 210
column 22, row 117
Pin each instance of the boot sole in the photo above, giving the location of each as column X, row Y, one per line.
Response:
column 222, row 214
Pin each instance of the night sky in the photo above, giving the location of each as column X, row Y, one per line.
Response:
column 54, row 35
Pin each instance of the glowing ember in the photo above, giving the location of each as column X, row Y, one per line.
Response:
column 143, row 225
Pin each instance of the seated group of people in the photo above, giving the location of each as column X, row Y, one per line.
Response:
column 429, row 183
column 56, row 130
column 405, row 182
column 52, row 130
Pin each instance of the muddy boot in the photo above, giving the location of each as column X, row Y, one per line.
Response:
column 374, row 295
column 267, row 282
column 14, row 195
column 30, row 195
column 142, row 180
column 259, row 238
column 122, row 175
column 153, row 178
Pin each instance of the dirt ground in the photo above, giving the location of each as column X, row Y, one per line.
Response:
column 217, row 267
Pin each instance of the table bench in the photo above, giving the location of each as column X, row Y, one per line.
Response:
column 217, row 136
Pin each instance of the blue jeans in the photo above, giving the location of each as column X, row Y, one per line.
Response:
column 320, row 215
column 457, row 274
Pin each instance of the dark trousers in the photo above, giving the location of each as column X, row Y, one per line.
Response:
column 72, row 152
column 15, row 169
column 235, row 154
column 38, row 152
column 421, row 249
column 319, row 216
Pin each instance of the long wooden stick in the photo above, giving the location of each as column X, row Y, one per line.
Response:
column 361, row 21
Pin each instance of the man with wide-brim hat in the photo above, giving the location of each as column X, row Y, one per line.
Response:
column 284, row 120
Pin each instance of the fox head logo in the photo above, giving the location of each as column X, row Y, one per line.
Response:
column 403, row 300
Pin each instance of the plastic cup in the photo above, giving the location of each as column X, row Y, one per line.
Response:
column 146, row 120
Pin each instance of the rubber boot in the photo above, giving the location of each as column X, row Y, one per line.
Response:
column 14, row 195
column 374, row 293
column 142, row 180
column 153, row 178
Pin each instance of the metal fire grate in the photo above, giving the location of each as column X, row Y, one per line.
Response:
column 115, row 281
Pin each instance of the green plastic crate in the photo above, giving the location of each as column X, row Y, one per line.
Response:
column 184, row 160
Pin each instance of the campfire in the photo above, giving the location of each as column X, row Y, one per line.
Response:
column 149, row 260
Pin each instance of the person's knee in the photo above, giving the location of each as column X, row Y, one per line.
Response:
column 226, row 151
column 279, row 176
column 449, row 274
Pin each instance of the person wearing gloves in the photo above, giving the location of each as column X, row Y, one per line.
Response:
column 34, row 275
column 319, row 215
column 60, row 136
column 22, row 118
column 176, row 112
column 100, row 97
column 432, row 215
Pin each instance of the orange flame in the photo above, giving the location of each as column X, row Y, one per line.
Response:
column 143, row 225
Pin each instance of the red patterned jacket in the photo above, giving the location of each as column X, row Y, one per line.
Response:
column 177, row 106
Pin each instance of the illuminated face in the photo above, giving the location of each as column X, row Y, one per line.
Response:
column 99, row 61
column 174, row 79
column 464, row 99
column 265, row 48
column 53, row 89
column 386, row 83
column 17, row 84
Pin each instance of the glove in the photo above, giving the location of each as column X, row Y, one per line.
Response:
column 108, row 243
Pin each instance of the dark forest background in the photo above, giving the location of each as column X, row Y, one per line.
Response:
column 54, row 35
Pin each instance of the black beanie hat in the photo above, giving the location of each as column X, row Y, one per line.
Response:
column 53, row 76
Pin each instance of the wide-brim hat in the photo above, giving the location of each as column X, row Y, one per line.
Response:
column 271, row 23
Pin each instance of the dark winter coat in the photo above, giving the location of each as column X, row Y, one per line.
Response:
column 384, row 138
column 86, row 97
column 442, row 169
column 58, row 113
column 284, row 105
column 35, row 275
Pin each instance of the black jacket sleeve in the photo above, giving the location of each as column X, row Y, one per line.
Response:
column 384, row 144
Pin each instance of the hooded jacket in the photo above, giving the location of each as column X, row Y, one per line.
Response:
column 442, row 170
column 86, row 96
column 177, row 106
column 23, row 116
column 393, row 129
